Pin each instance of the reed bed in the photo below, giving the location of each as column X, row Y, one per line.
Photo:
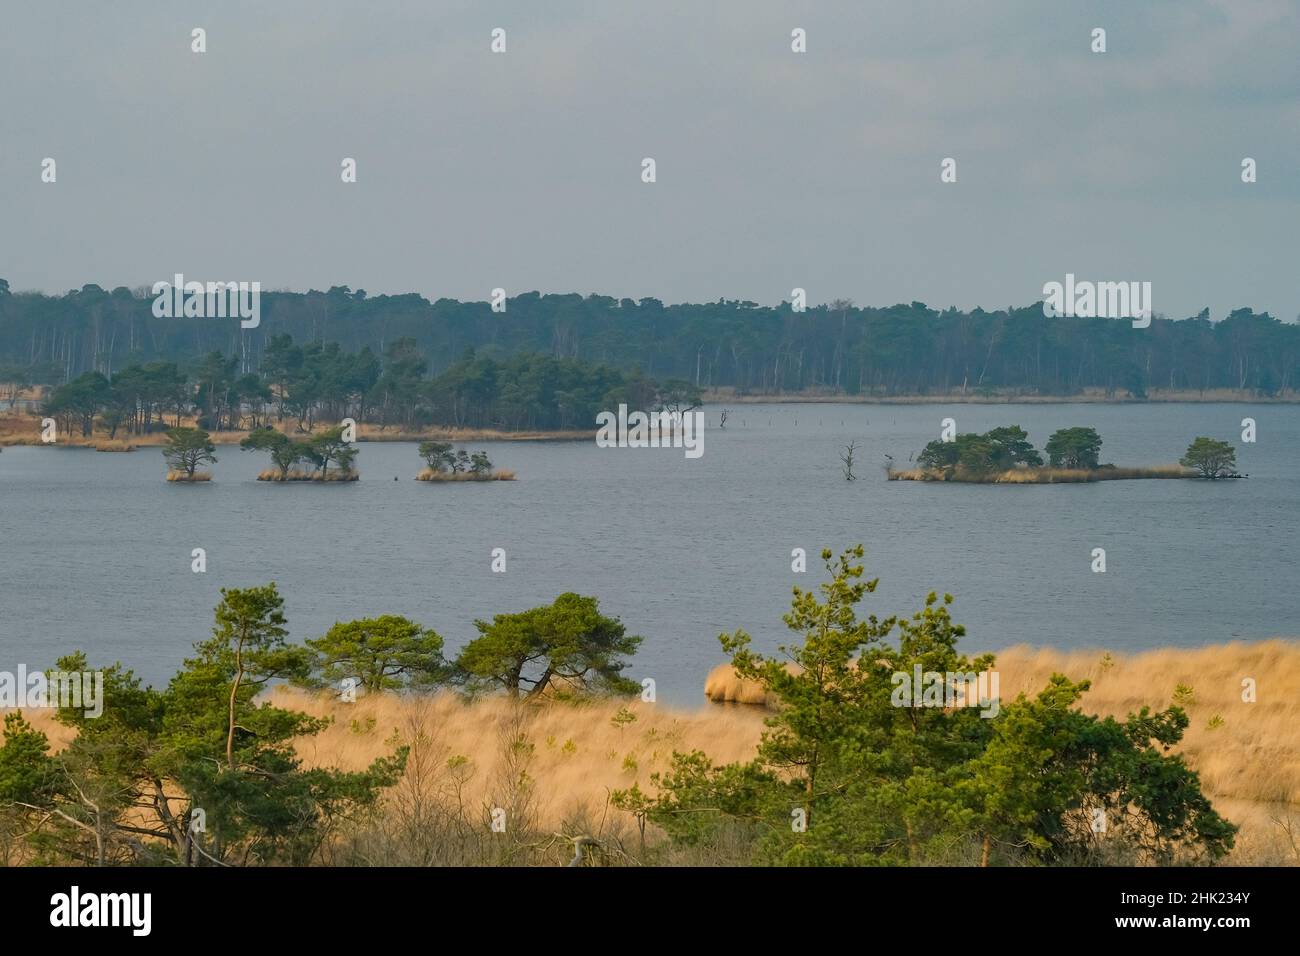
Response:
column 428, row 474
column 272, row 475
column 1043, row 476
column 368, row 432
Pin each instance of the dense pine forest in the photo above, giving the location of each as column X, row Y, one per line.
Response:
column 836, row 347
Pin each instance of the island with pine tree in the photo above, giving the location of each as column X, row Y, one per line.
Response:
column 1004, row 455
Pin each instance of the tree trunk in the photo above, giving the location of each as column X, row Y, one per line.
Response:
column 541, row 684
column 234, row 690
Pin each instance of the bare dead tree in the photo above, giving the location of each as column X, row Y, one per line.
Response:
column 846, row 456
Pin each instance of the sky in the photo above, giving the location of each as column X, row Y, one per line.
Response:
column 775, row 169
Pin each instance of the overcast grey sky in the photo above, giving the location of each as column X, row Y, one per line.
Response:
column 775, row 170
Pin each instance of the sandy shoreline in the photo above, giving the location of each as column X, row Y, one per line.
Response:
column 18, row 428
column 26, row 430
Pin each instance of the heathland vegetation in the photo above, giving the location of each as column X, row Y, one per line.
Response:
column 837, row 347
column 1005, row 455
column 533, row 745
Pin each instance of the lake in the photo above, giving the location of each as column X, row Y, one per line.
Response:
column 95, row 547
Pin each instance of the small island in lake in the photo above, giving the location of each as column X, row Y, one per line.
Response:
column 185, row 450
column 329, row 446
column 443, row 464
column 1005, row 456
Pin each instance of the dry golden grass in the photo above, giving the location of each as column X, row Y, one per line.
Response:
column 186, row 479
column 1252, row 752
column 367, row 432
column 1042, row 476
column 1153, row 471
column 1045, row 476
column 29, row 393
column 1249, row 763
column 1056, row 475
column 724, row 686
column 579, row 753
column 272, row 474
column 428, row 474
column 23, row 429
column 1248, row 760
column 19, row 429
column 113, row 445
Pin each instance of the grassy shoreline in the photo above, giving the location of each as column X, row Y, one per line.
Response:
column 428, row 474
column 19, row 428
column 270, row 474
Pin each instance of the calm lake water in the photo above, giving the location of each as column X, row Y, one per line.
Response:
column 95, row 548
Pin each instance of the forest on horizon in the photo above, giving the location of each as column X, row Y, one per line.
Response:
column 904, row 349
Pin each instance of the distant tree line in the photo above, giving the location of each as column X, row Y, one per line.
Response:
column 902, row 349
column 301, row 385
